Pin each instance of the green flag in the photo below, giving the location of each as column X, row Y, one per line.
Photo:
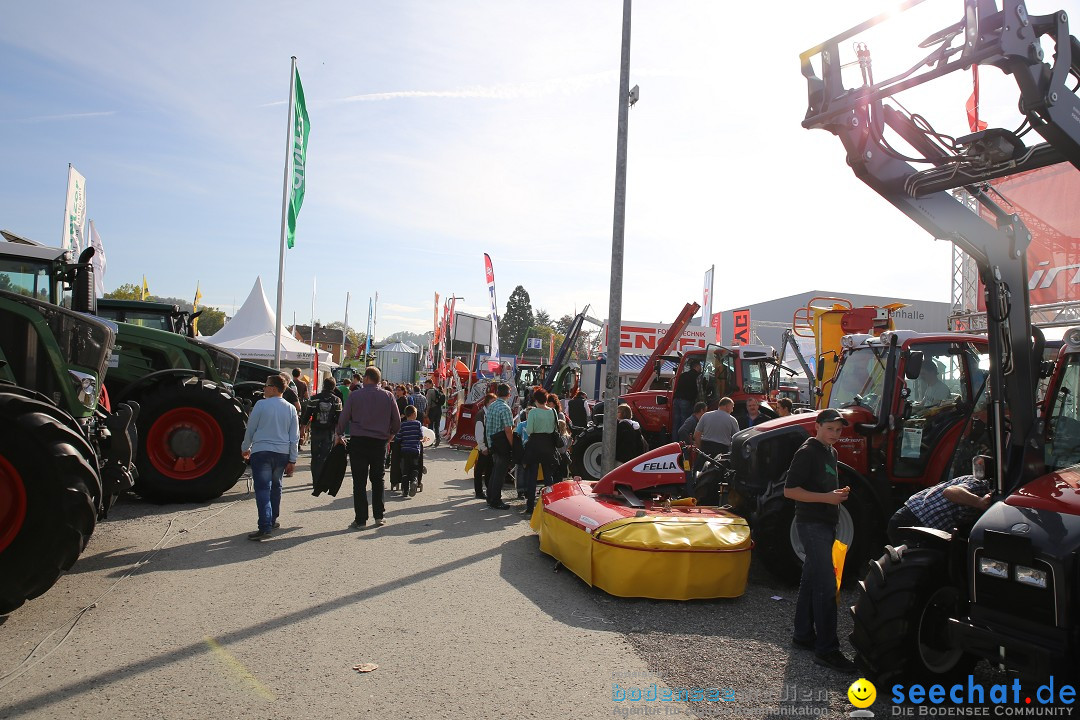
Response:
column 299, row 158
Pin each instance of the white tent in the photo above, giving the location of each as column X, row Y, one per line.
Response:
column 251, row 333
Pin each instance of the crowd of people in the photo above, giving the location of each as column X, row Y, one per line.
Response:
column 384, row 426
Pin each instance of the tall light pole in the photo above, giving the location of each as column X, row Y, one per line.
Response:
column 611, row 382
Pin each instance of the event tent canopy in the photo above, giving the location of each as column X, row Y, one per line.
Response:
column 251, row 334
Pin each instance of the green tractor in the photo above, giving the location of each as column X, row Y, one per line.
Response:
column 63, row 459
column 250, row 377
column 190, row 425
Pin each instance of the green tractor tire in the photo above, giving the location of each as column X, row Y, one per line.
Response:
column 49, row 494
column 189, row 442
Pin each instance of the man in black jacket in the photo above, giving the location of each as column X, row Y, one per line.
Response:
column 321, row 415
column 578, row 409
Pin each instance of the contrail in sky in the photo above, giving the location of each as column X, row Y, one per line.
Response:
column 511, row 91
column 69, row 116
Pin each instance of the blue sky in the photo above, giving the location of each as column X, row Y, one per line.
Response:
column 443, row 130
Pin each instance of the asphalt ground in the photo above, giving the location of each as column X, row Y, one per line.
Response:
column 186, row 618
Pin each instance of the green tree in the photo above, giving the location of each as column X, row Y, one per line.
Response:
column 516, row 321
column 542, row 317
column 420, row 340
column 127, row 291
column 355, row 338
column 211, row 320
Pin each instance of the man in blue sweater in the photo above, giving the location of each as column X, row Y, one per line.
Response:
column 271, row 442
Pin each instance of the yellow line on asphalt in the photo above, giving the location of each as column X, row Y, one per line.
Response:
column 238, row 667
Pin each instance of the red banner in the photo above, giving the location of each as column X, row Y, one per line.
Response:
column 740, row 334
column 718, row 325
column 1045, row 200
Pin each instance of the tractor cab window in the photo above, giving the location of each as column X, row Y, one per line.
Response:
column 27, row 277
column 157, row 321
column 860, row 379
column 1063, row 430
column 529, row 378
column 717, row 377
column 939, row 398
column 755, row 377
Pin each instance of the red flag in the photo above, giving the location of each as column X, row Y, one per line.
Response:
column 741, row 331
column 973, row 103
column 450, row 318
column 436, row 339
column 316, row 370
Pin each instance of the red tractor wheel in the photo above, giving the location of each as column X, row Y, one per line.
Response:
column 49, row 475
column 184, row 443
column 189, row 442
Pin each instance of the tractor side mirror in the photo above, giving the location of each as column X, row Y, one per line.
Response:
column 914, row 365
column 820, row 370
column 191, row 323
column 83, row 290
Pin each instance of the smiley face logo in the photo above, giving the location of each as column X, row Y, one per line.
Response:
column 862, row 693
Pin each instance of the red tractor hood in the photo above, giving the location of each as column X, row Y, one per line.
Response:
column 1057, row 492
column 854, row 415
column 661, row 466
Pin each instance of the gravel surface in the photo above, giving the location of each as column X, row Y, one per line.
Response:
column 454, row 603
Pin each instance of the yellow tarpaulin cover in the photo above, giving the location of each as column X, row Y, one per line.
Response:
column 655, row 556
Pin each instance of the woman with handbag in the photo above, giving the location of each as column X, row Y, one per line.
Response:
column 542, row 430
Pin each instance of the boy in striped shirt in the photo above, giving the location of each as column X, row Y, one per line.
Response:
column 412, row 459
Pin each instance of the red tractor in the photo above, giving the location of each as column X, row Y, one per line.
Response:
column 1001, row 586
column 740, row 372
column 901, row 438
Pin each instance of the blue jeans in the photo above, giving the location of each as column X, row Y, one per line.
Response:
column 266, row 471
column 680, row 410
column 816, row 606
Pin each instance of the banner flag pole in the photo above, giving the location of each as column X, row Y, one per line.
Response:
column 284, row 213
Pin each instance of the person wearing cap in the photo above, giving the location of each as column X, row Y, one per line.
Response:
column 685, row 395
column 813, row 483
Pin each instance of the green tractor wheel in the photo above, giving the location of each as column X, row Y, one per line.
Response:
column 189, row 442
column 49, row 495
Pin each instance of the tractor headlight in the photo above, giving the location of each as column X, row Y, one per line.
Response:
column 1030, row 576
column 994, row 568
column 86, row 389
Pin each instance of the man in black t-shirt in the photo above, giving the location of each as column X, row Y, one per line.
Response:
column 685, row 395
column 812, row 482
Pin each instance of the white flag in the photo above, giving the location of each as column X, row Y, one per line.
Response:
column 707, row 297
column 98, row 261
column 74, row 212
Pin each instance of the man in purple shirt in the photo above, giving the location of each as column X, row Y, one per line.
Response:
column 372, row 416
